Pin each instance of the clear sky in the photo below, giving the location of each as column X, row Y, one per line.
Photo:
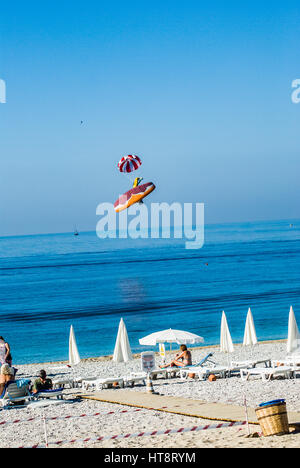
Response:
column 200, row 90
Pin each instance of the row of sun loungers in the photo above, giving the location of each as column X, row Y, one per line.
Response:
column 267, row 373
column 201, row 373
column 265, row 369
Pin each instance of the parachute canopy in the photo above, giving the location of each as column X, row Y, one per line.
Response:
column 129, row 163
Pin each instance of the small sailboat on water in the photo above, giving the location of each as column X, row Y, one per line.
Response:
column 76, row 233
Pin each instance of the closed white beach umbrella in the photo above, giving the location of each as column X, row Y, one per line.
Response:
column 250, row 338
column 171, row 336
column 293, row 341
column 74, row 357
column 226, row 345
column 122, row 352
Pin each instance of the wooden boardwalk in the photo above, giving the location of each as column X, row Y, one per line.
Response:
column 179, row 405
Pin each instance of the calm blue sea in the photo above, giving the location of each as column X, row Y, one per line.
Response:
column 49, row 282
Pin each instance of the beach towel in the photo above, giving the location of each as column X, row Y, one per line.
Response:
column 21, row 383
column 56, row 390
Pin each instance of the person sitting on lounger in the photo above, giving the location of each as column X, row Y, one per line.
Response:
column 42, row 383
column 6, row 375
column 182, row 359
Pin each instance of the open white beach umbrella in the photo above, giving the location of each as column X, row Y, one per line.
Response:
column 74, row 357
column 226, row 345
column 293, row 341
column 250, row 338
column 122, row 351
column 171, row 336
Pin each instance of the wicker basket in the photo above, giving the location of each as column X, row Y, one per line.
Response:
column 273, row 419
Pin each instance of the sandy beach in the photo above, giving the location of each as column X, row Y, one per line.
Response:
column 70, row 425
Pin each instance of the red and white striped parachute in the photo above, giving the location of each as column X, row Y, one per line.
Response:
column 129, row 163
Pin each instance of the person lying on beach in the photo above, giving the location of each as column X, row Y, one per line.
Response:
column 42, row 383
column 6, row 375
column 182, row 359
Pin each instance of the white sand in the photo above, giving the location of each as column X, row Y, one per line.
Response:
column 231, row 391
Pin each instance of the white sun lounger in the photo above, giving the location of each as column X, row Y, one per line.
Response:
column 154, row 373
column 169, row 372
column 134, row 378
column 62, row 382
column 267, row 373
column 59, row 369
column 288, row 361
column 15, row 394
column 203, row 372
column 64, row 378
column 57, row 393
column 101, row 383
column 166, row 373
column 77, row 381
column 296, row 370
column 251, row 363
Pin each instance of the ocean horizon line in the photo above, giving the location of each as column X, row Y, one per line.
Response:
column 208, row 225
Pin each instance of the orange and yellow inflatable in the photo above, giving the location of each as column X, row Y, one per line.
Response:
column 135, row 195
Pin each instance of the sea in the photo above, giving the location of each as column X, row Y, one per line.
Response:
column 50, row 282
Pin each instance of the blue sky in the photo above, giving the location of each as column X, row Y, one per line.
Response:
column 200, row 90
